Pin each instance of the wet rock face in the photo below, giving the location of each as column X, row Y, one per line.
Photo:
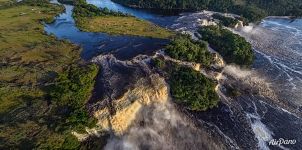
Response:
column 239, row 25
column 126, row 107
column 218, row 60
column 115, row 78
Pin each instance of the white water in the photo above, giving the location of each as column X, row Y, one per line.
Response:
column 279, row 43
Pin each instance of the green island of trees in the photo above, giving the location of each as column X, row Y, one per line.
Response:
column 188, row 87
column 252, row 10
column 232, row 47
column 182, row 47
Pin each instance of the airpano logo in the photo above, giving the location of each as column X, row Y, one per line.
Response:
column 282, row 141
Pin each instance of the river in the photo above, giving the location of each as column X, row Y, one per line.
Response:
column 250, row 121
column 123, row 47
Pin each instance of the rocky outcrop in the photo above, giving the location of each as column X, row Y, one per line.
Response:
column 127, row 107
column 207, row 22
column 218, row 61
column 239, row 25
column 193, row 65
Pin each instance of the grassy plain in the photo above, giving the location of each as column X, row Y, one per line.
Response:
column 26, row 53
column 3, row 1
column 30, row 61
column 123, row 25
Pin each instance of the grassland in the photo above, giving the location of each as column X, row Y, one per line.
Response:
column 123, row 25
column 26, row 53
column 4, row 1
column 30, row 61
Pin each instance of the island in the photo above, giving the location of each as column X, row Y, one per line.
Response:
column 90, row 18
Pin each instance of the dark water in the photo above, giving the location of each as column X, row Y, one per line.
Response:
column 123, row 47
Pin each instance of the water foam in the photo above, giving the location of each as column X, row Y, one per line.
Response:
column 251, row 79
column 263, row 134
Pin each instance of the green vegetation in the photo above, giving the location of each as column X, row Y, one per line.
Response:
column 184, row 48
column 232, row 47
column 193, row 89
column 70, row 93
column 43, row 84
column 82, row 9
column 5, row 3
column 226, row 21
column 279, row 7
column 252, row 10
column 123, row 26
column 189, row 87
column 250, row 13
column 90, row 18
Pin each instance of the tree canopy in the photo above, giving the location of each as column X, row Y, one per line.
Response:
column 226, row 21
column 82, row 9
column 184, row 48
column 188, row 87
column 232, row 47
column 193, row 89
column 252, row 10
